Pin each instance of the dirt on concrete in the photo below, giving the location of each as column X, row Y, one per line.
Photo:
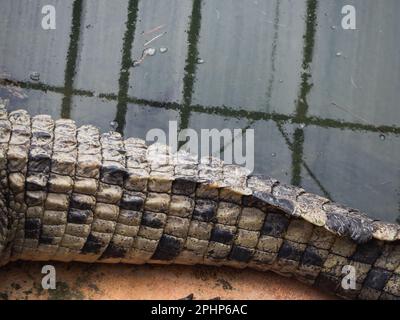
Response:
column 22, row 280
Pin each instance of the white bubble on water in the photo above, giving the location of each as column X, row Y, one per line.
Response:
column 35, row 76
column 135, row 63
column 113, row 125
column 149, row 52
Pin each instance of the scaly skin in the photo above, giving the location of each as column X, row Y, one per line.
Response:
column 71, row 194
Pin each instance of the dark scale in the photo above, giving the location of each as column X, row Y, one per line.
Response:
column 32, row 228
column 222, row 234
column 46, row 240
column 184, row 186
column 153, row 219
column 311, row 257
column 368, row 252
column 204, row 210
column 78, row 203
column 275, row 224
column 79, row 216
column 168, row 248
column 132, row 201
column 39, row 162
column 41, row 135
column 358, row 229
column 113, row 251
column 377, row 278
column 92, row 245
column 241, row 254
column 113, row 174
column 289, row 252
column 335, row 223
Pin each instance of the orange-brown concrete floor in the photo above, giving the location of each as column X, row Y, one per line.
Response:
column 22, row 280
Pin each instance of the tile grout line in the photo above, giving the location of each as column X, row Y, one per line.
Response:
column 305, row 87
column 275, row 39
column 72, row 55
column 218, row 110
column 191, row 65
column 297, row 156
column 126, row 61
column 308, row 52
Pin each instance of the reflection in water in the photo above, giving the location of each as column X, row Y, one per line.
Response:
column 323, row 101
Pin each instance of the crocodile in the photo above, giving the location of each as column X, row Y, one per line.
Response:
column 75, row 194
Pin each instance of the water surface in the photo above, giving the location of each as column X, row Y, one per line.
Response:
column 323, row 101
